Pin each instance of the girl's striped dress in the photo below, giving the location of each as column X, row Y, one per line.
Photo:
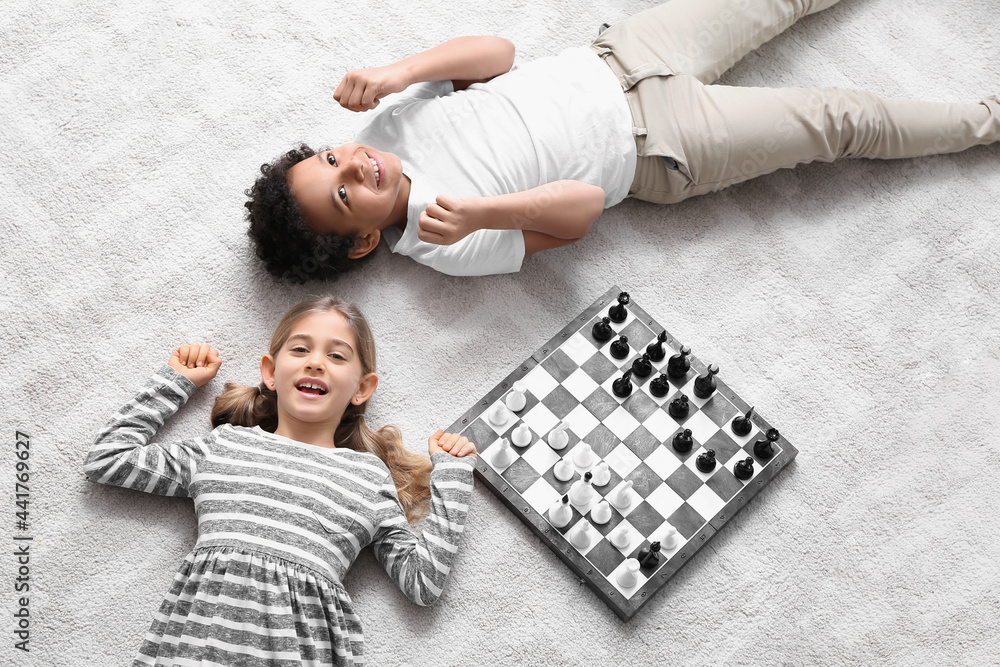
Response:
column 279, row 524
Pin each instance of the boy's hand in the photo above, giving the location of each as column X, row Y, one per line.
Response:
column 361, row 89
column 198, row 363
column 452, row 443
column 451, row 219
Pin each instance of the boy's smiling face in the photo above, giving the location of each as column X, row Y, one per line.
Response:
column 339, row 193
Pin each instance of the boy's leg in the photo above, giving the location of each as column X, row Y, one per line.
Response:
column 730, row 134
column 703, row 38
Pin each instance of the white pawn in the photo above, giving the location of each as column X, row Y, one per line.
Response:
column 628, row 575
column 583, row 455
column 620, row 537
column 563, row 470
column 497, row 415
column 515, row 399
column 582, row 491
column 580, row 535
column 504, row 455
column 557, row 437
column 669, row 540
column 620, row 497
column 601, row 513
column 521, row 435
column 560, row 513
column 602, row 474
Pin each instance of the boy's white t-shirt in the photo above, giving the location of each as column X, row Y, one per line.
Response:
column 557, row 117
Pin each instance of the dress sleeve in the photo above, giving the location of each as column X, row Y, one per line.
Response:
column 122, row 454
column 419, row 564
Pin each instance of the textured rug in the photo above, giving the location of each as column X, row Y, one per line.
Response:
column 854, row 303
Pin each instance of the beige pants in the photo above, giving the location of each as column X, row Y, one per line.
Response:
column 693, row 138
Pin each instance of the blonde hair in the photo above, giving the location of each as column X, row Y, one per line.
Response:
column 258, row 406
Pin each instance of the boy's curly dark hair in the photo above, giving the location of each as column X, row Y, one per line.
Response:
column 288, row 247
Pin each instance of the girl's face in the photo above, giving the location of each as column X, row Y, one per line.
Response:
column 339, row 192
column 321, row 351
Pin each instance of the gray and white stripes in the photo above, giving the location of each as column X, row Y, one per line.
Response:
column 279, row 524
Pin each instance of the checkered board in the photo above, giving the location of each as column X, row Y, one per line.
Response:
column 569, row 379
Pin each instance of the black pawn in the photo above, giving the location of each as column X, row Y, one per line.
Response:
column 679, row 407
column 623, row 385
column 649, row 557
column 602, row 330
column 743, row 469
column 742, row 424
column 764, row 448
column 619, row 348
column 659, row 386
column 655, row 349
column 683, row 441
column 618, row 312
column 641, row 367
column 679, row 364
column 704, row 386
column 706, row 461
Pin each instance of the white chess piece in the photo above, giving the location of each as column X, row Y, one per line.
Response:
column 583, row 456
column 670, row 539
column 563, row 470
column 628, row 576
column 521, row 435
column 515, row 399
column 557, row 437
column 620, row 497
column 620, row 537
column 504, row 455
column 582, row 491
column 497, row 415
column 601, row 513
column 580, row 534
column 602, row 474
column 560, row 513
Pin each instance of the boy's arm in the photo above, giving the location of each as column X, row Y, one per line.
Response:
column 550, row 215
column 465, row 60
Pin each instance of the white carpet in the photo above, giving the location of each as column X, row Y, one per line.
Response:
column 855, row 304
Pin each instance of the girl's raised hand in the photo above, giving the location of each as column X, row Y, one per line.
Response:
column 198, row 363
column 361, row 89
column 451, row 443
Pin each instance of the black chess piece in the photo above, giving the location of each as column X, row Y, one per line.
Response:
column 602, row 330
column 683, row 442
column 619, row 348
column 679, row 364
column 655, row 349
column 679, row 407
column 649, row 557
column 704, row 385
column 618, row 312
column 623, row 385
column 641, row 367
column 659, row 387
column 764, row 448
column 742, row 424
column 706, row 461
column 743, row 469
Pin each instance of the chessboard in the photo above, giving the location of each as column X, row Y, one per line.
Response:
column 630, row 450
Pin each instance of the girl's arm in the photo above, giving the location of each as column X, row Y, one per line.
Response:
column 420, row 564
column 122, row 454
column 463, row 59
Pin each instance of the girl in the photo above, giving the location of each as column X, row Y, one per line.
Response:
column 471, row 167
column 288, row 488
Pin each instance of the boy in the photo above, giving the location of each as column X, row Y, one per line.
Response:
column 492, row 164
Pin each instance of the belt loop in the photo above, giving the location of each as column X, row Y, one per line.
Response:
column 638, row 131
column 643, row 71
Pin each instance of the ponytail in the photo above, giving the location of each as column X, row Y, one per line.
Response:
column 246, row 406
